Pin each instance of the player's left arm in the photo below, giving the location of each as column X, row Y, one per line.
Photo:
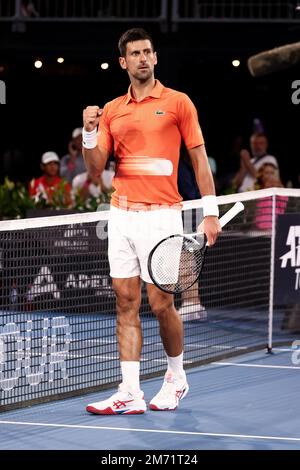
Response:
column 210, row 226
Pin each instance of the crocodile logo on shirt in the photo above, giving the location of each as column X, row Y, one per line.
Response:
column 159, row 112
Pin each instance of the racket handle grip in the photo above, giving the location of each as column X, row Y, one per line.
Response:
column 238, row 207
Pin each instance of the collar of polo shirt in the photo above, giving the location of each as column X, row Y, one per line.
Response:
column 155, row 92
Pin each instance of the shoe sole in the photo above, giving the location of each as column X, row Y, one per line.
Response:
column 110, row 411
column 155, row 408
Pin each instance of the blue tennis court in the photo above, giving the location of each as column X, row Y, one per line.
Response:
column 249, row 402
column 58, row 346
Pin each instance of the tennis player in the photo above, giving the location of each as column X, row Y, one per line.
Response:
column 144, row 129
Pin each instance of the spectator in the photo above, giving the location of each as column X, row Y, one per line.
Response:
column 187, row 184
column 28, row 9
column 50, row 187
column 72, row 164
column 245, row 178
column 229, row 165
column 93, row 186
column 268, row 177
column 191, row 307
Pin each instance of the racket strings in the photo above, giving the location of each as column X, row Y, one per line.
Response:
column 176, row 263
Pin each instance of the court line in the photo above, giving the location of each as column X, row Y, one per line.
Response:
column 263, row 366
column 104, row 356
column 159, row 431
column 284, row 349
column 214, row 346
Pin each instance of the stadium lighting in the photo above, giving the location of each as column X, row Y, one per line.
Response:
column 236, row 63
column 38, row 64
column 104, row 65
column 60, row 60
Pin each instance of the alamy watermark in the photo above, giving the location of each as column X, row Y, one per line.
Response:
column 2, row 92
column 296, row 94
column 143, row 228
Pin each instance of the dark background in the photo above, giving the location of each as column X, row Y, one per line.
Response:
column 45, row 105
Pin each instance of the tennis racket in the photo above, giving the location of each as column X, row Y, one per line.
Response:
column 175, row 263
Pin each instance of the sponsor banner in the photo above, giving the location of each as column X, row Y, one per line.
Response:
column 287, row 260
column 64, row 269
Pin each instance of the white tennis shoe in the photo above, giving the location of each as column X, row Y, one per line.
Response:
column 192, row 311
column 122, row 402
column 171, row 392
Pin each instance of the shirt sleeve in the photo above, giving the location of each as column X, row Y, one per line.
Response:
column 188, row 123
column 105, row 138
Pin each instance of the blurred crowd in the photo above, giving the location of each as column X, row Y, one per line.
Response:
column 65, row 183
column 68, row 176
column 245, row 168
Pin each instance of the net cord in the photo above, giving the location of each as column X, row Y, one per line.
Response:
column 69, row 219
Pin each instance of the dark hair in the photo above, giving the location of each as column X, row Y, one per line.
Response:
column 261, row 169
column 259, row 134
column 134, row 34
column 268, row 164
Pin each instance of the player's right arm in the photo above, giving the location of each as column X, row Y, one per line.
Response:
column 95, row 158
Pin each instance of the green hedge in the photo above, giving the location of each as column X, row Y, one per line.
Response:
column 15, row 201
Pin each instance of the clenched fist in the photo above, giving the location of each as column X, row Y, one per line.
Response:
column 91, row 117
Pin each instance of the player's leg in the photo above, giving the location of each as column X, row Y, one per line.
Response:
column 156, row 225
column 129, row 399
column 129, row 333
column 175, row 385
column 191, row 307
column 125, row 271
column 170, row 324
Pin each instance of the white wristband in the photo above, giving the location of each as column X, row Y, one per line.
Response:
column 89, row 139
column 210, row 206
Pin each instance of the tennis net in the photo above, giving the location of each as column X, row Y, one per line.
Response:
column 57, row 307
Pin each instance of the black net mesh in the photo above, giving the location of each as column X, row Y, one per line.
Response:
column 57, row 306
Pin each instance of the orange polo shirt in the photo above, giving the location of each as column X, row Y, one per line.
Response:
column 145, row 138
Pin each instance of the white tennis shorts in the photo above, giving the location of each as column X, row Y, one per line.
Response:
column 133, row 234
